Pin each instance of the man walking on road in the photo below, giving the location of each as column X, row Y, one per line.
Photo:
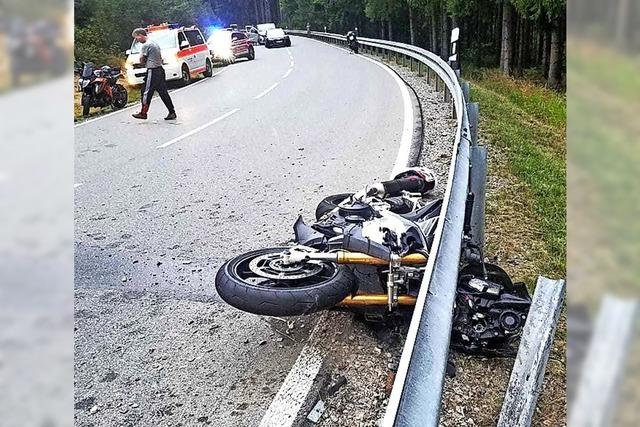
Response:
column 154, row 80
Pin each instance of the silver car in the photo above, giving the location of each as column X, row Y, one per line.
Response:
column 252, row 34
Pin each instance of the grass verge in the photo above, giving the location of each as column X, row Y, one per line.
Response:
column 525, row 127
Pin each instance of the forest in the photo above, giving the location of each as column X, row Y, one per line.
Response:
column 515, row 36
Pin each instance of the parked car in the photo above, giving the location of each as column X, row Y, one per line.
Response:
column 227, row 46
column 262, row 31
column 276, row 37
column 252, row 34
column 184, row 54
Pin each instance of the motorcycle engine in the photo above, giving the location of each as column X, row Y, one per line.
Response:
column 490, row 311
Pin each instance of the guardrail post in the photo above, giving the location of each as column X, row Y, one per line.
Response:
column 604, row 364
column 437, row 84
column 473, row 112
column 527, row 375
column 477, row 185
column 466, row 91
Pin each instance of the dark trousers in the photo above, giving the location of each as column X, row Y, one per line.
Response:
column 154, row 81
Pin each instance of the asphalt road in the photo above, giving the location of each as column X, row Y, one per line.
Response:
column 160, row 206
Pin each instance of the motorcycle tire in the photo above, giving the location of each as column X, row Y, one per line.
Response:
column 86, row 105
column 120, row 97
column 272, row 300
column 330, row 203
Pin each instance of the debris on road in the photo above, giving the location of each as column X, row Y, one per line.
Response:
column 316, row 412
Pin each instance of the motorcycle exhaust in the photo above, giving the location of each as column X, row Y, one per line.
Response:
column 364, row 300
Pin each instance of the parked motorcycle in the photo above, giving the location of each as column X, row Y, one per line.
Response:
column 352, row 41
column 100, row 87
column 366, row 253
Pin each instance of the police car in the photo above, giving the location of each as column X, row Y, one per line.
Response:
column 185, row 54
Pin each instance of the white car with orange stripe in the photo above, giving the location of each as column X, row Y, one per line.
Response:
column 185, row 54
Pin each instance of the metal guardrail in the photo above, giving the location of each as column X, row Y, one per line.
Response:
column 417, row 392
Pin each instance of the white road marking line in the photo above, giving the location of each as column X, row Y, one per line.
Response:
column 287, row 73
column 402, row 158
column 291, row 63
column 137, row 105
column 297, row 385
column 198, row 129
column 269, row 89
column 407, row 130
column 293, row 393
column 77, row 185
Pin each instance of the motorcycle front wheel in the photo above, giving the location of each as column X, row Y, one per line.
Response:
column 258, row 282
column 120, row 97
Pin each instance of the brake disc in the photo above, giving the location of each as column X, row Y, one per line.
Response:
column 271, row 266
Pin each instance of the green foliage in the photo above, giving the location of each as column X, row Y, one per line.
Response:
column 103, row 28
column 533, row 9
column 528, row 123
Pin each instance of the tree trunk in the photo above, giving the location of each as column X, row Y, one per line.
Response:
column 553, row 81
column 545, row 52
column 389, row 29
column 498, row 34
column 506, row 56
column 444, row 52
column 540, row 53
column 382, row 29
column 278, row 12
column 517, row 52
column 255, row 8
column 527, row 44
column 477, row 42
column 412, row 32
column 434, row 29
column 267, row 11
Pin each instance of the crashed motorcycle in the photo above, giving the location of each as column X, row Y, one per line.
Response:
column 366, row 253
column 100, row 88
column 352, row 41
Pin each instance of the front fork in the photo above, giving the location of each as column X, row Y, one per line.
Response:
column 395, row 277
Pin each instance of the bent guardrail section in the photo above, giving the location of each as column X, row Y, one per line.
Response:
column 417, row 392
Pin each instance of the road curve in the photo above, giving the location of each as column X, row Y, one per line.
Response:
column 160, row 206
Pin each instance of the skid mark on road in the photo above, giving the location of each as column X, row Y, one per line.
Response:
column 198, row 129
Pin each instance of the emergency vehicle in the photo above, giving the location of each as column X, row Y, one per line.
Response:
column 185, row 54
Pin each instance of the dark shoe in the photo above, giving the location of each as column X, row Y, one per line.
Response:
column 171, row 116
column 142, row 116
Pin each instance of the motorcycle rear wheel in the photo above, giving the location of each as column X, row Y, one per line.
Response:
column 304, row 290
